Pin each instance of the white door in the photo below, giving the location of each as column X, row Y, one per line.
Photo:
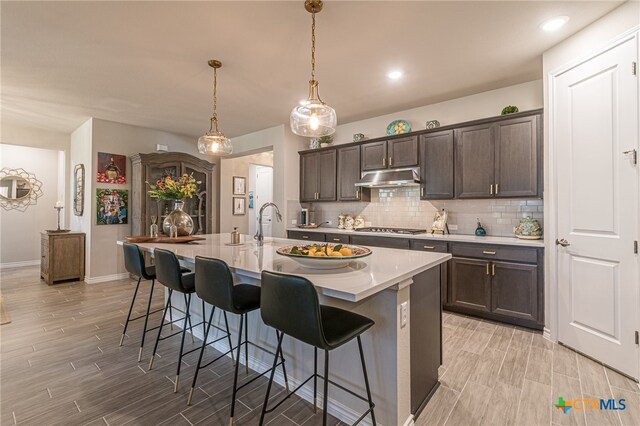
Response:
column 595, row 120
column 264, row 194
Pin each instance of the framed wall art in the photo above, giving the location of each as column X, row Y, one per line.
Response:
column 250, row 199
column 440, row 222
column 112, row 206
column 78, row 190
column 239, row 185
column 239, row 207
column 112, row 168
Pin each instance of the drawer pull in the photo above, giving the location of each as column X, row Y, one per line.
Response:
column 428, row 247
column 305, row 237
column 336, row 239
column 488, row 252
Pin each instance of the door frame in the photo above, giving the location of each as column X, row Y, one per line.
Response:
column 550, row 189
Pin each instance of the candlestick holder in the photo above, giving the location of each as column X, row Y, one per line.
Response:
column 58, row 230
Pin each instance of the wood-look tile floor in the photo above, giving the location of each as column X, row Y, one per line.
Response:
column 60, row 364
column 496, row 374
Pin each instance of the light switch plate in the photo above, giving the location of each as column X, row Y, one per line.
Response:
column 293, row 221
column 453, row 227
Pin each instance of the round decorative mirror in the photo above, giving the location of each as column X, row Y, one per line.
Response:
column 14, row 187
column 18, row 189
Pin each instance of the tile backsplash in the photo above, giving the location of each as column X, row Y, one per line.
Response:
column 402, row 207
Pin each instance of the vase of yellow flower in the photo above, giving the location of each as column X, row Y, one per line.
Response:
column 176, row 190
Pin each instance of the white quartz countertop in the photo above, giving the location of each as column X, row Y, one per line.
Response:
column 509, row 241
column 362, row 278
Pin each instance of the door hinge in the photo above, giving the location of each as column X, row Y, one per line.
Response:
column 634, row 68
column 635, row 247
column 637, row 338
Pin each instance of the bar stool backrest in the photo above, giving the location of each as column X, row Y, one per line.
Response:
column 289, row 303
column 168, row 269
column 134, row 260
column 214, row 283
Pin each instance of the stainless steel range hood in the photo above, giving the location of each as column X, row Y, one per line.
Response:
column 389, row 178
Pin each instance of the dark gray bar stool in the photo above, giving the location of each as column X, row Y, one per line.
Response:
column 290, row 304
column 169, row 273
column 214, row 285
column 134, row 264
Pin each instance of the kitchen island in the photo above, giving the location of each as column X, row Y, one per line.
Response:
column 398, row 289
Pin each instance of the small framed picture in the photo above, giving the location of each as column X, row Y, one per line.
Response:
column 239, row 206
column 239, row 185
column 250, row 200
column 440, row 222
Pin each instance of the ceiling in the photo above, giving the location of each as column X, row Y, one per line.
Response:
column 145, row 63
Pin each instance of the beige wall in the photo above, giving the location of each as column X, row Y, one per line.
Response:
column 577, row 47
column 525, row 96
column 20, row 230
column 238, row 166
column 104, row 257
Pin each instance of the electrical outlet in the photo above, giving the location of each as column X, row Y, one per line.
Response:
column 453, row 227
column 329, row 222
column 293, row 222
column 403, row 314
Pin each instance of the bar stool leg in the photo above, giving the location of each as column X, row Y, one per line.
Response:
column 325, row 401
column 133, row 301
column 204, row 313
column 146, row 320
column 315, row 379
column 273, row 372
column 155, row 347
column 170, row 311
column 187, row 318
column 235, row 374
column 226, row 323
column 284, row 369
column 204, row 345
column 366, row 381
column 246, row 344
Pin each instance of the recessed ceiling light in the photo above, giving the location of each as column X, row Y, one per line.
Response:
column 554, row 24
column 394, row 75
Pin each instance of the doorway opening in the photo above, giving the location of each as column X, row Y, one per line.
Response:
column 260, row 192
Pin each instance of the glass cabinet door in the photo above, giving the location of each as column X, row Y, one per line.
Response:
column 159, row 208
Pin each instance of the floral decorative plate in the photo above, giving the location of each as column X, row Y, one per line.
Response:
column 305, row 254
column 398, row 127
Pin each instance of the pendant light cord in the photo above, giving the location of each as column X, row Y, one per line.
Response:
column 313, row 46
column 214, row 117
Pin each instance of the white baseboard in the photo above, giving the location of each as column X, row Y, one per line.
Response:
column 11, row 265
column 105, row 278
column 410, row 421
column 546, row 333
column 336, row 409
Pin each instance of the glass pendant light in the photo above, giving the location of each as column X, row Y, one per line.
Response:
column 214, row 142
column 313, row 118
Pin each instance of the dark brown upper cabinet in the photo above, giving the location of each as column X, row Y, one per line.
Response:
column 349, row 174
column 436, row 165
column 517, row 158
column 318, row 176
column 391, row 154
column 475, row 161
column 500, row 159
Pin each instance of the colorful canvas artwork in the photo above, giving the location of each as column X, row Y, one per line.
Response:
column 112, row 206
column 112, row 168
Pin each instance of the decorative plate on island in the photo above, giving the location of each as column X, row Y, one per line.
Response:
column 324, row 256
column 398, row 127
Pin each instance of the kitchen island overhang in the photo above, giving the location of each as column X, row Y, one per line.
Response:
column 378, row 286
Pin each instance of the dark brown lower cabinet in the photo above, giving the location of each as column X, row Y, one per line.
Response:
column 470, row 284
column 514, row 290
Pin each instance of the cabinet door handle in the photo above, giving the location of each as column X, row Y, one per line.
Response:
column 390, row 161
column 358, row 194
column 491, row 189
column 428, row 247
column 422, row 191
column 487, row 269
column 488, row 252
column 497, row 188
column 336, row 240
column 384, row 162
column 493, row 269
